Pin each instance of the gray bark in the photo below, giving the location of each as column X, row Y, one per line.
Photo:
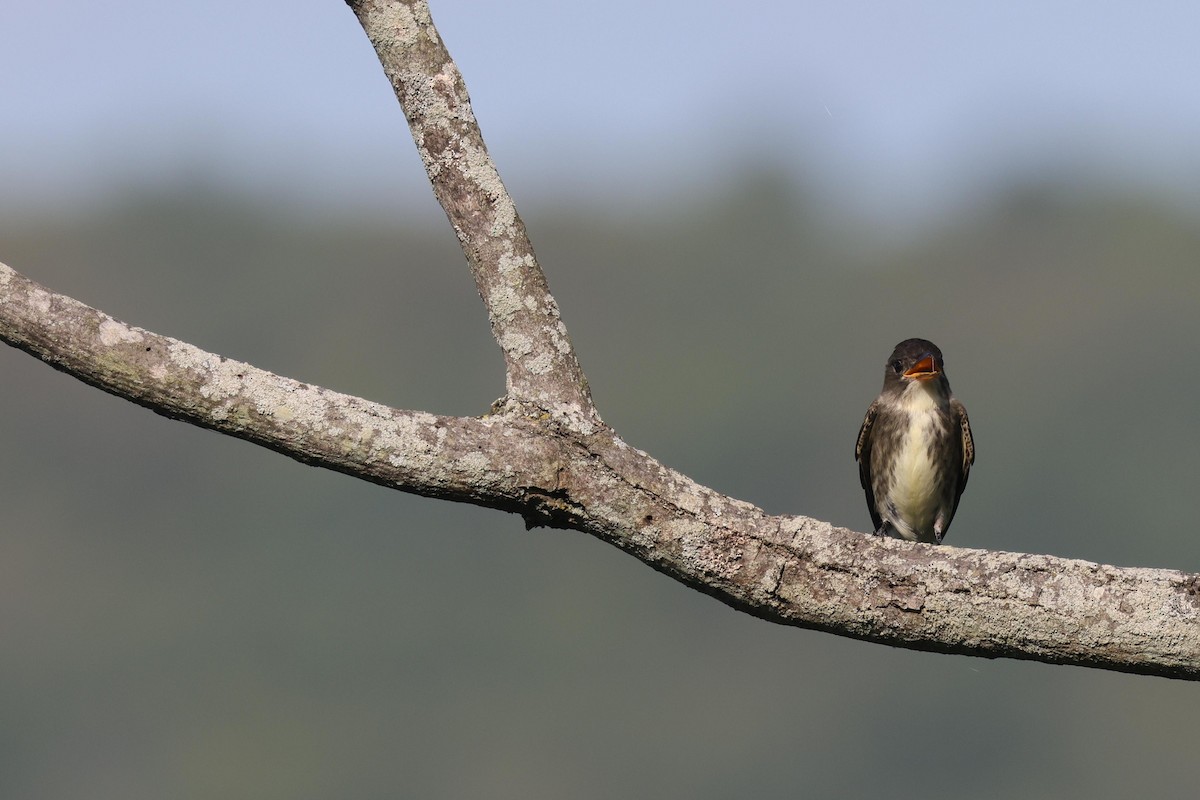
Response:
column 545, row 454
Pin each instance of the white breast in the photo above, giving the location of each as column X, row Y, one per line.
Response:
column 913, row 487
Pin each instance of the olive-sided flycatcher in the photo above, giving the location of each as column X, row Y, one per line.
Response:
column 914, row 449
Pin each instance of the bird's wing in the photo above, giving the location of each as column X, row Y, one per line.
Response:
column 862, row 454
column 968, row 442
column 968, row 450
column 862, row 448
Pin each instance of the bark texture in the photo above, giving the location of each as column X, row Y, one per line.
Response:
column 544, row 452
column 541, row 364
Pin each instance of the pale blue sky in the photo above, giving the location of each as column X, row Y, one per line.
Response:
column 897, row 106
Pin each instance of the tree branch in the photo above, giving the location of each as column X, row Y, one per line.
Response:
column 546, row 455
column 540, row 361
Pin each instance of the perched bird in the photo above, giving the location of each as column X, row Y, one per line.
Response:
column 914, row 449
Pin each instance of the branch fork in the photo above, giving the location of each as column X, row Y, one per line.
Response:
column 545, row 454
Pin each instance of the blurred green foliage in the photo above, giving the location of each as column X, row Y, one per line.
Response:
column 189, row 616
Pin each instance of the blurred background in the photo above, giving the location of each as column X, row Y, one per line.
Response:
column 740, row 210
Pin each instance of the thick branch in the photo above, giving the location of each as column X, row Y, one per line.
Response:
column 541, row 364
column 565, row 468
column 423, row 453
column 791, row 570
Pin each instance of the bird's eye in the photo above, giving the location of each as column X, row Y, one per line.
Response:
column 896, row 366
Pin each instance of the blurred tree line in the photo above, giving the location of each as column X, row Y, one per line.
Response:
column 192, row 617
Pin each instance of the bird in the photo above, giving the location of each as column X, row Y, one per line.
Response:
column 915, row 448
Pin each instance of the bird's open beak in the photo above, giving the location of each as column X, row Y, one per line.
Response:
column 925, row 369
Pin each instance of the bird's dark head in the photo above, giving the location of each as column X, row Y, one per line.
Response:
column 914, row 361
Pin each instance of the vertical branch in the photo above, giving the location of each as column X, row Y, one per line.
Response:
column 541, row 365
